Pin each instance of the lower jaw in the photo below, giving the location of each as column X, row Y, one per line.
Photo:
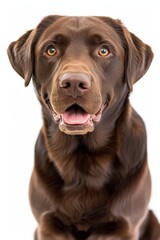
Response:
column 76, row 129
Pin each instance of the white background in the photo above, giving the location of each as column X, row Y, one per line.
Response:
column 20, row 114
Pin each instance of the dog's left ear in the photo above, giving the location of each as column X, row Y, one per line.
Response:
column 20, row 55
column 138, row 58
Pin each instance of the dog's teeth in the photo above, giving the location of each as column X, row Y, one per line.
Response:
column 61, row 120
column 56, row 116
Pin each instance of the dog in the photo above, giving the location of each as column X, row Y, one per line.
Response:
column 90, row 178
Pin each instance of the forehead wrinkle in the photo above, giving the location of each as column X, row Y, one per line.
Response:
column 61, row 26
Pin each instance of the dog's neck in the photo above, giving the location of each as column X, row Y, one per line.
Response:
column 83, row 159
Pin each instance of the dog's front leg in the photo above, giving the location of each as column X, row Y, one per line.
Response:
column 51, row 228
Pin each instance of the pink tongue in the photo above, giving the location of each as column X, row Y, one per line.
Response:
column 73, row 117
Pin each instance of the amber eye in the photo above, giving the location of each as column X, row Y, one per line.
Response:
column 103, row 52
column 51, row 51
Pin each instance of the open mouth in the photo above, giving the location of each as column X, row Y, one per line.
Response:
column 75, row 120
column 76, row 115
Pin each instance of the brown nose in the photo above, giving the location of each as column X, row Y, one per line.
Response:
column 75, row 84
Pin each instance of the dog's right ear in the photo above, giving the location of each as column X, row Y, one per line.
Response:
column 20, row 55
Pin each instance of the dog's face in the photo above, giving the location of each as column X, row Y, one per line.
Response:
column 82, row 67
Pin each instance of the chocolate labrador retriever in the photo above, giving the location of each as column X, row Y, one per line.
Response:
column 90, row 179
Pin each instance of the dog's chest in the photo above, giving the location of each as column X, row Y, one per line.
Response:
column 82, row 207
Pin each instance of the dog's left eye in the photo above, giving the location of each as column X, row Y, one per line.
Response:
column 103, row 51
column 51, row 51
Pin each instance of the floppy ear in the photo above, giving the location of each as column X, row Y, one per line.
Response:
column 20, row 56
column 138, row 55
column 138, row 58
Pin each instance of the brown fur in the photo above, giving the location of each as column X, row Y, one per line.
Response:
column 90, row 181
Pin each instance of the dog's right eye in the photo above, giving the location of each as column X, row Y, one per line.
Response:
column 51, row 51
column 103, row 51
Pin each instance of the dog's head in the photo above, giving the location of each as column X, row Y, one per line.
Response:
column 82, row 67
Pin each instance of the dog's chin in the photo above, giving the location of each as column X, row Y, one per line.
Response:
column 78, row 129
column 76, row 121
